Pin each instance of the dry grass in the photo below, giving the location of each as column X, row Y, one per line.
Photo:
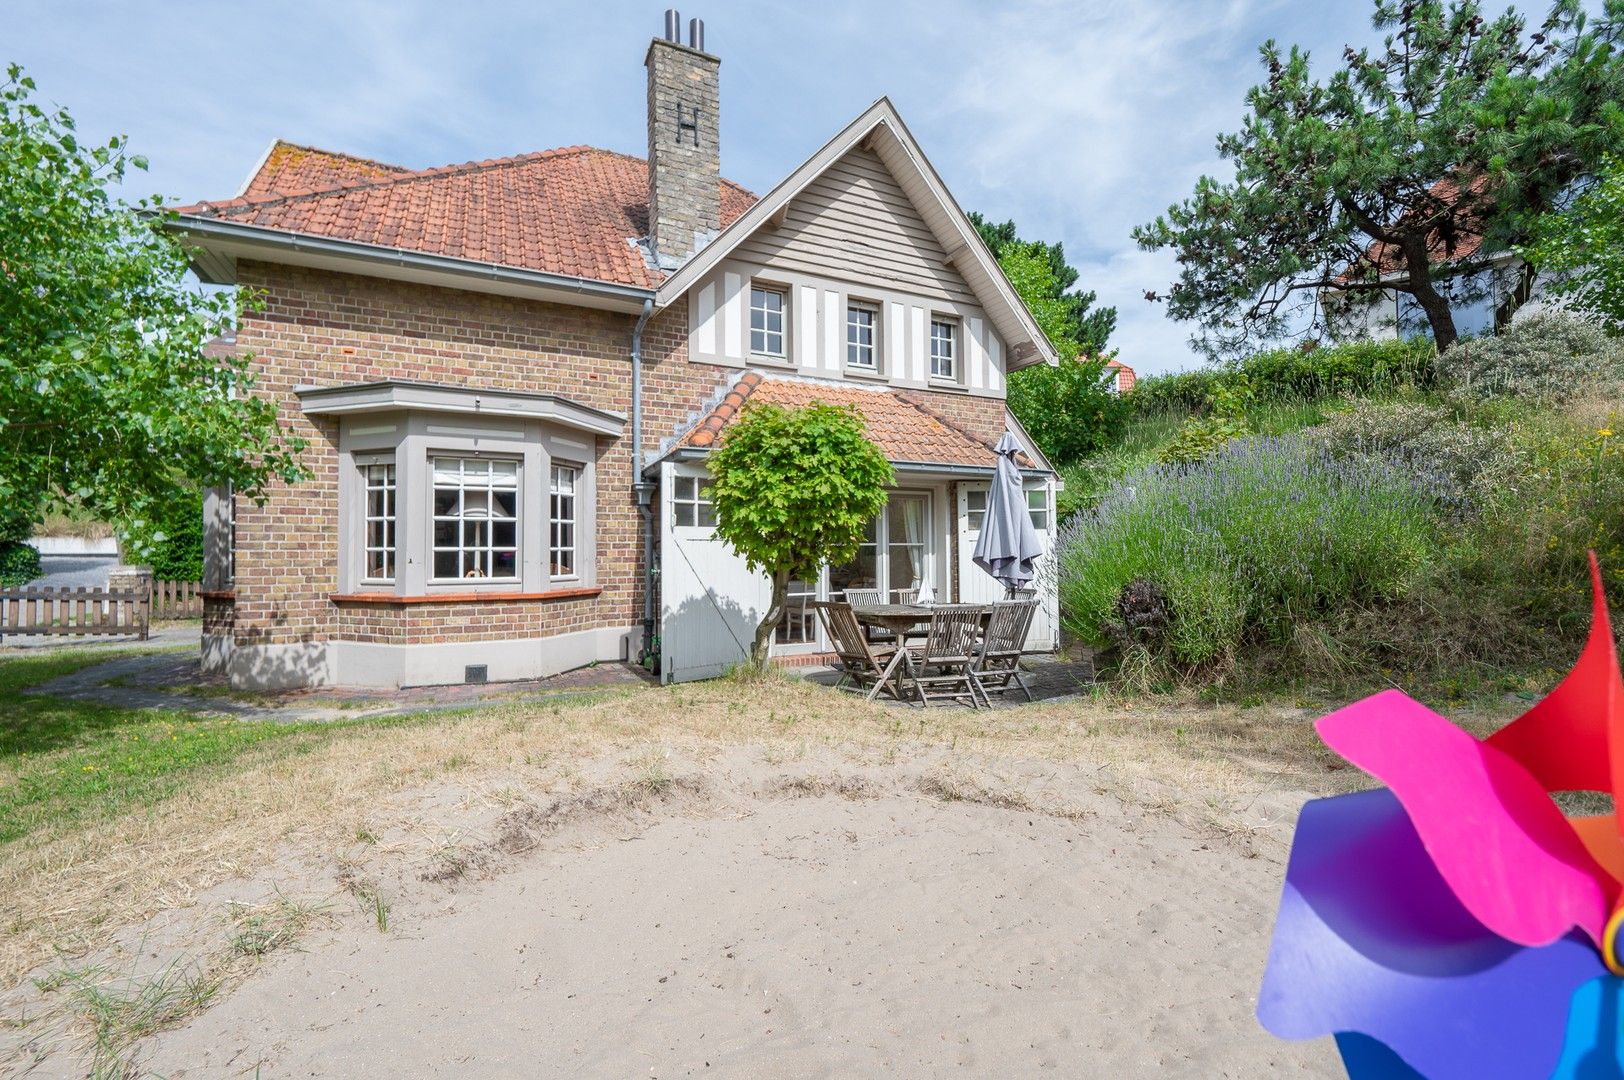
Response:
column 71, row 888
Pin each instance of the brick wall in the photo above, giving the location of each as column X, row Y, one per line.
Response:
column 321, row 328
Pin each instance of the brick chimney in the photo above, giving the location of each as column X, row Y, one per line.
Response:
column 684, row 146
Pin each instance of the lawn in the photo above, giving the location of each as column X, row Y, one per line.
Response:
column 68, row 764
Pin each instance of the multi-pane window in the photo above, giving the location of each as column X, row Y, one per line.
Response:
column 861, row 331
column 379, row 558
column 944, row 342
column 561, row 543
column 766, row 321
column 476, row 518
column 690, row 503
column 975, row 509
column 1037, row 507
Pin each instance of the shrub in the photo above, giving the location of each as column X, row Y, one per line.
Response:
column 19, row 563
column 1265, row 532
column 1547, row 357
column 1358, row 367
column 173, row 543
column 1468, row 466
column 1067, row 409
column 1203, row 436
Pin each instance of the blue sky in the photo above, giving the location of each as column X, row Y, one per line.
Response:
column 1079, row 120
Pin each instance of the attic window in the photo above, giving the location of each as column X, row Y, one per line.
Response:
column 861, row 331
column 766, row 320
column 944, row 348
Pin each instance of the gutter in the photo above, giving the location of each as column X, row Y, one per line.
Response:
column 310, row 244
column 936, row 468
column 642, row 490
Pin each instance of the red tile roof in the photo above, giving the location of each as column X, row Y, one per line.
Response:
column 906, row 428
column 572, row 211
column 290, row 169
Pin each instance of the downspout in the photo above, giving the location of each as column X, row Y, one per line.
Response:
column 641, row 489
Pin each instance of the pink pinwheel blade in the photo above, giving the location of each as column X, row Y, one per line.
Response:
column 1488, row 825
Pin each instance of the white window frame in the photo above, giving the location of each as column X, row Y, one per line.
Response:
column 874, row 311
column 556, row 521
column 690, row 493
column 1037, row 508
column 952, row 355
column 490, row 548
column 389, row 550
column 767, row 334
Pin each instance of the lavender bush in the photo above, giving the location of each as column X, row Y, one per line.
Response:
column 1265, row 532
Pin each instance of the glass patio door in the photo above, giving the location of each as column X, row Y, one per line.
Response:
column 895, row 557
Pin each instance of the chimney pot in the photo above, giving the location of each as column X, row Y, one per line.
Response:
column 673, row 25
column 696, row 34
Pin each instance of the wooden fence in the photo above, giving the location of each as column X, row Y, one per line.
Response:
column 46, row 610
column 177, row 599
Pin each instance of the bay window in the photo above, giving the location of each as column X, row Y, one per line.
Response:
column 378, row 561
column 476, row 518
column 561, row 542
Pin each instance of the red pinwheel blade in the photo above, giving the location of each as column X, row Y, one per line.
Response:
column 1573, row 740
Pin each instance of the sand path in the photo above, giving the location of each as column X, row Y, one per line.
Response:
column 897, row 934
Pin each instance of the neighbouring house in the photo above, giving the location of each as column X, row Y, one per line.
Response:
column 1486, row 288
column 510, row 373
column 1119, row 377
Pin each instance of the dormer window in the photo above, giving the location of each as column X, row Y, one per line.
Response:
column 767, row 320
column 944, row 349
column 862, row 335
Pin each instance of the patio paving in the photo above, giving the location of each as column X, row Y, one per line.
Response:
column 1050, row 677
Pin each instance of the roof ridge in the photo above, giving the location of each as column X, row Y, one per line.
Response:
column 408, row 176
column 467, row 168
column 342, row 154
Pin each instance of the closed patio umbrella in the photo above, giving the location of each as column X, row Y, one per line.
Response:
column 1008, row 545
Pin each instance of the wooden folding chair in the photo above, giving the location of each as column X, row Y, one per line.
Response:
column 871, row 598
column 943, row 663
column 860, row 661
column 999, row 661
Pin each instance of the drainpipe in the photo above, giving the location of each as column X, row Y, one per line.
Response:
column 641, row 489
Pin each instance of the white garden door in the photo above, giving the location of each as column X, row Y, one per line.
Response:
column 976, row 586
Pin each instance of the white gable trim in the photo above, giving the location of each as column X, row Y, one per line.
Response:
column 882, row 131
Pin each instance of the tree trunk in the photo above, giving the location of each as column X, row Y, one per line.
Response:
column 775, row 612
column 1419, row 270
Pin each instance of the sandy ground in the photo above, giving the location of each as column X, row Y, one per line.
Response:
column 743, row 916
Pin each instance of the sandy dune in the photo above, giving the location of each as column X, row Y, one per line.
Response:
column 762, row 934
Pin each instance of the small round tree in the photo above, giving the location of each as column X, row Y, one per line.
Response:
column 793, row 489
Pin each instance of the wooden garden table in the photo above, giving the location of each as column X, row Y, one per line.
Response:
column 899, row 619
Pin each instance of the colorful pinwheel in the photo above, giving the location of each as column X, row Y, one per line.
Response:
column 1455, row 923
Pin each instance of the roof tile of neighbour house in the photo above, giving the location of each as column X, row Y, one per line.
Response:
column 1442, row 247
column 1125, row 376
column 572, row 211
column 905, row 427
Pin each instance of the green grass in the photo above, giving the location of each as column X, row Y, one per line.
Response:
column 66, row 764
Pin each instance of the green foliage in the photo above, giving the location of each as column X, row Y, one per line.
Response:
column 1581, row 248
column 172, row 541
column 19, row 563
column 1243, row 545
column 1469, row 466
column 1067, row 409
column 794, row 490
column 1509, row 116
column 1045, row 282
column 106, row 397
column 1225, row 420
column 1303, row 375
column 1551, row 356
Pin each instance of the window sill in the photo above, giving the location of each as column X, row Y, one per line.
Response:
column 218, row 594
column 483, row 597
column 867, row 373
column 952, row 386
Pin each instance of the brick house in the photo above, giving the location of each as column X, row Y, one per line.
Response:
column 510, row 372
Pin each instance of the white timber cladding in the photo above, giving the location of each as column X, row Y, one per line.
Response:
column 853, row 236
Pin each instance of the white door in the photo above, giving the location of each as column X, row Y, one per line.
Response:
column 710, row 601
column 976, row 586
